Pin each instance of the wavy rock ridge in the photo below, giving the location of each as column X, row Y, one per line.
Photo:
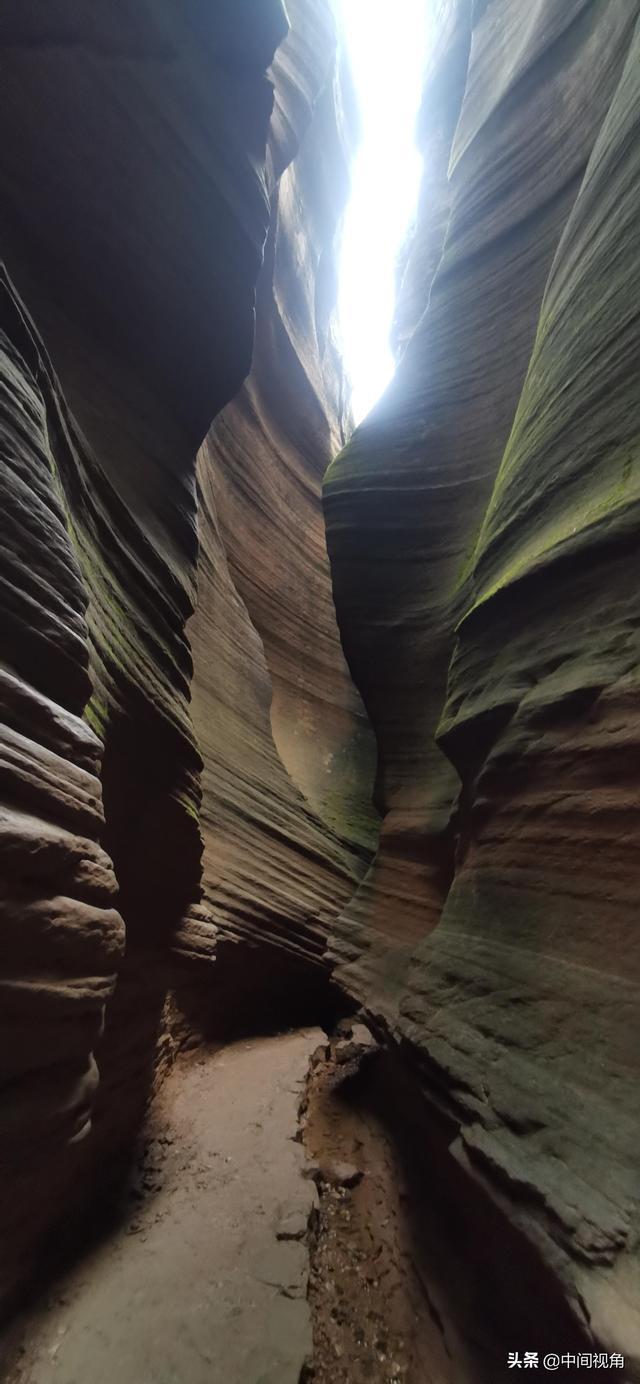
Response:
column 62, row 936
column 149, row 170
column 482, row 524
column 288, row 752
column 178, row 713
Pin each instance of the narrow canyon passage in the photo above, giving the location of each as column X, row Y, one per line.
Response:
column 319, row 705
column 263, row 1237
column 203, row 1278
column 277, row 1223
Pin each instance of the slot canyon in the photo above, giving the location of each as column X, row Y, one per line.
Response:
column 320, row 743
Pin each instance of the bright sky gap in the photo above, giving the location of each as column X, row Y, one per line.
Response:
column 386, row 44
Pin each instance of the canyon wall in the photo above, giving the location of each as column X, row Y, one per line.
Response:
column 145, row 162
column 483, row 533
column 288, row 752
column 187, row 820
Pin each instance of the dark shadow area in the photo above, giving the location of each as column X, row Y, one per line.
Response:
column 479, row 1274
column 254, row 990
column 93, row 1190
column 159, row 1008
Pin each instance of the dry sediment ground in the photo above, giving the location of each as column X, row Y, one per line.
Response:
column 370, row 1320
column 204, row 1278
column 267, row 1236
column 373, row 1309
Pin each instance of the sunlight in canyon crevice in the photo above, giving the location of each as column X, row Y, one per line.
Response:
column 386, row 46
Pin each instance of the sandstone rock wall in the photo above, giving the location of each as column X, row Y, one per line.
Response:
column 140, row 149
column 288, row 752
column 62, row 936
column 135, row 214
column 483, row 525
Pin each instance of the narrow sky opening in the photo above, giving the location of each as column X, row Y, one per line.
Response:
column 386, row 44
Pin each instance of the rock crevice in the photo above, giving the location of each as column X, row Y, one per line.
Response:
column 425, row 805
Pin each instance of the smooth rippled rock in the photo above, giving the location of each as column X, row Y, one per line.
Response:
column 135, row 208
column 483, row 527
column 288, row 751
column 146, row 158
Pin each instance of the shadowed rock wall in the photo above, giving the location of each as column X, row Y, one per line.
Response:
column 135, row 215
column 482, row 526
column 136, row 183
column 483, row 531
column 62, row 937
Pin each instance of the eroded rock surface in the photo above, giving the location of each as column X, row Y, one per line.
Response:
column 135, row 209
column 146, row 156
column 171, row 199
column 482, row 523
column 62, row 935
column 289, row 757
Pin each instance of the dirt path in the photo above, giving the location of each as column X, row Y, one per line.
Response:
column 205, row 1282
column 269, row 1236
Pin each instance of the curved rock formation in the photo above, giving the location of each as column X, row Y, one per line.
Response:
column 288, row 753
column 170, row 217
column 62, row 937
column 154, row 156
column 135, row 210
column 482, row 524
column 136, row 240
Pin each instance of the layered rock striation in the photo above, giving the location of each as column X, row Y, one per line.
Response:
column 135, row 214
column 142, row 169
column 62, row 935
column 185, row 757
column 288, row 752
column 482, row 525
